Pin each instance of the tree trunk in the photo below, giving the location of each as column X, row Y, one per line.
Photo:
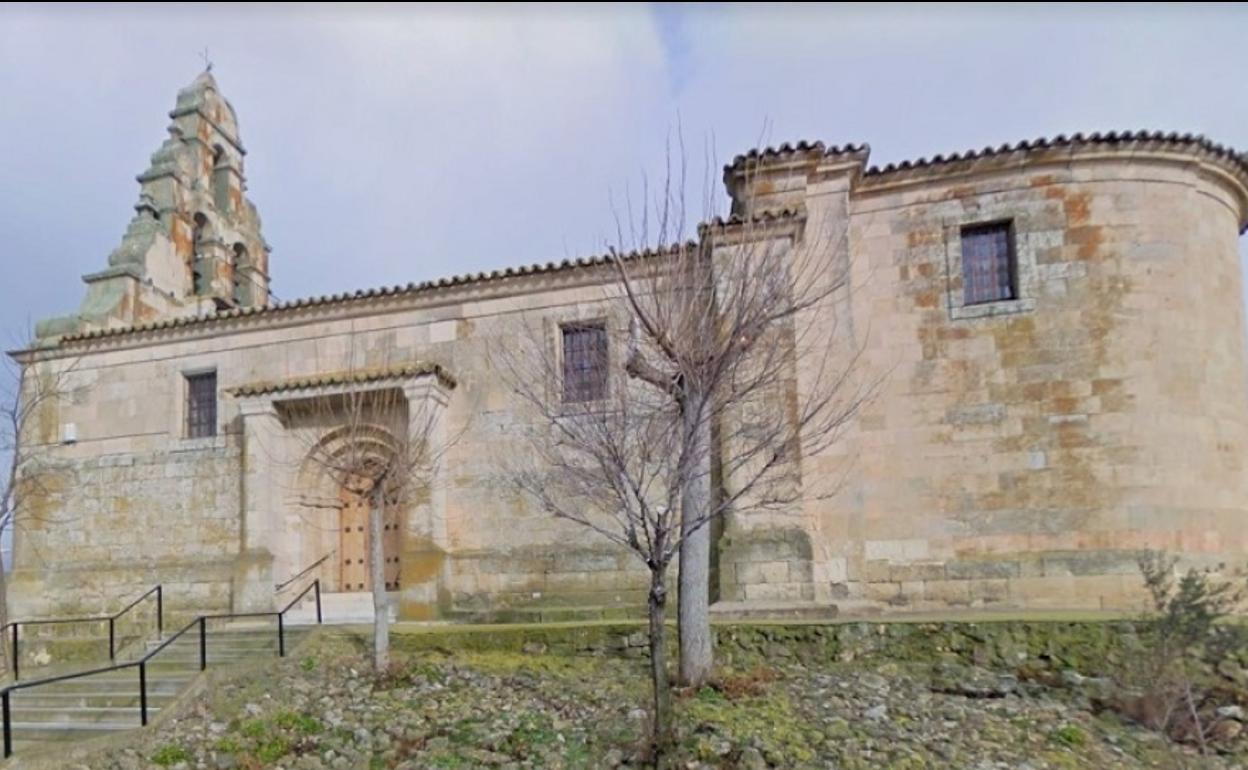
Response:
column 662, row 717
column 377, row 570
column 693, row 611
column 7, row 655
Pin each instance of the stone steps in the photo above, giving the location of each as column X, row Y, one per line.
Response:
column 80, row 716
column 99, row 699
column 761, row 610
column 75, row 709
column 340, row 608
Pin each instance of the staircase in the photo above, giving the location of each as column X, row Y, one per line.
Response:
column 110, row 701
column 143, row 681
column 342, row 608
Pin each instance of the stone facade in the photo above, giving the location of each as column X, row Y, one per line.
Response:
column 1018, row 453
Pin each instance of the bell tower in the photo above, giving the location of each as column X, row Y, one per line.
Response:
column 194, row 245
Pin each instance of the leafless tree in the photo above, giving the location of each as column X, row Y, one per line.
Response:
column 606, row 464
column 30, row 394
column 361, row 430
column 742, row 331
column 733, row 365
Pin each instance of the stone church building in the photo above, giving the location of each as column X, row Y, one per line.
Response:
column 1058, row 326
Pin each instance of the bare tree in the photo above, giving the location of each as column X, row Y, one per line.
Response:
column 741, row 330
column 731, row 368
column 606, row 464
column 363, row 432
column 30, row 395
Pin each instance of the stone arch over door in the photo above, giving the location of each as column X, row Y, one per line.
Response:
column 331, row 510
column 291, row 508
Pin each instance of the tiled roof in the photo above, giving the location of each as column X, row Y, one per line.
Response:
column 360, row 294
column 1174, row 139
column 359, row 376
column 788, row 151
column 767, row 217
column 812, row 150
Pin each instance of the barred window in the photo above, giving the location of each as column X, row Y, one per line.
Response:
column 201, row 405
column 988, row 269
column 584, row 363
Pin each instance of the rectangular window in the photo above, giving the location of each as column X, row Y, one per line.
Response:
column 201, row 405
column 584, row 363
column 988, row 269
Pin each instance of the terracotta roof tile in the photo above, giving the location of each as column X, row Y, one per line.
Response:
column 1074, row 140
column 354, row 296
column 402, row 371
column 767, row 217
column 788, row 151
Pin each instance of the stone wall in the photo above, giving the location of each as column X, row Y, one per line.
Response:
column 1089, row 647
column 1024, row 452
column 1020, row 454
column 118, row 524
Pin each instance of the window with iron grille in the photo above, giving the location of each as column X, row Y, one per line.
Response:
column 584, row 363
column 989, row 273
column 201, row 405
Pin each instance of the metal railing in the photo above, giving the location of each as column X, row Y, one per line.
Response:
column 11, row 629
column 304, row 571
column 200, row 622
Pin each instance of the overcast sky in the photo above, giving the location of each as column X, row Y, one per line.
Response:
column 387, row 144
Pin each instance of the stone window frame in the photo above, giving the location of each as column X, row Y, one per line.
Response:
column 596, row 373
column 555, row 324
column 1025, row 240
column 178, row 414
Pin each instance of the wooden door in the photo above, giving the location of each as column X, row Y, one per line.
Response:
column 356, row 574
column 353, row 550
column 390, row 547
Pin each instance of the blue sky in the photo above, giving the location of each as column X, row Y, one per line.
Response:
column 391, row 144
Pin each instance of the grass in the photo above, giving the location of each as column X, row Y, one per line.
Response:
column 299, row 723
column 273, row 749
column 769, row 719
column 1069, row 735
column 171, row 754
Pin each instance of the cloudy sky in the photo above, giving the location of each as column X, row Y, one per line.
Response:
column 394, row 144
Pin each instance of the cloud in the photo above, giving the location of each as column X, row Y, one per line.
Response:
column 392, row 143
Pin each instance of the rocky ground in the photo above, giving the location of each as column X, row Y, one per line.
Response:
column 323, row 708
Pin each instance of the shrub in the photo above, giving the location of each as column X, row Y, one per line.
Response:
column 1180, row 640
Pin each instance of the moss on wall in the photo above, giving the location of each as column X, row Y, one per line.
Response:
column 1089, row 646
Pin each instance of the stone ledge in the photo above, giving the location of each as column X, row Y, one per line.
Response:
column 1088, row 644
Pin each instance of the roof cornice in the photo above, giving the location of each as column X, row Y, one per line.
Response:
column 354, row 377
column 299, row 309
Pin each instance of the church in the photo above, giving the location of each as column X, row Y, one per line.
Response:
column 1057, row 326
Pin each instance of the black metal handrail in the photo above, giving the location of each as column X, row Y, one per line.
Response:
column 304, row 571
column 11, row 628
column 160, row 618
column 201, row 622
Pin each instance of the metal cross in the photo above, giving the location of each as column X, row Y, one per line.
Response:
column 207, row 62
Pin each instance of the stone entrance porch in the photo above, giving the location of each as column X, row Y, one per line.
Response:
column 295, row 511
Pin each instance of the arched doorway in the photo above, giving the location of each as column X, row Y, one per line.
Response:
column 355, row 561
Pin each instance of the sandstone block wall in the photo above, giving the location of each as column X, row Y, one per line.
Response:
column 1024, row 453
column 1021, row 454
column 116, row 525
